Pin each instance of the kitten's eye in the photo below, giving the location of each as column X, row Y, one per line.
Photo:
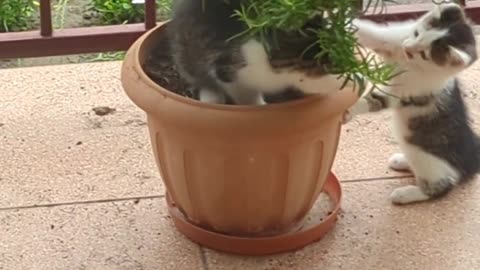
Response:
column 415, row 33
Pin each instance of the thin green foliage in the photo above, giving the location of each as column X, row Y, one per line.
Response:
column 108, row 56
column 16, row 15
column 125, row 11
column 165, row 7
column 339, row 50
column 60, row 10
column 122, row 12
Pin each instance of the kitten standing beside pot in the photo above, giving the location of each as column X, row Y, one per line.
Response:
column 430, row 117
column 239, row 70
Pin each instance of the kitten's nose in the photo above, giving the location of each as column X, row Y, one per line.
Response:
column 408, row 53
column 410, row 48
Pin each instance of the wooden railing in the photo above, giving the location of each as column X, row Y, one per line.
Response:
column 48, row 42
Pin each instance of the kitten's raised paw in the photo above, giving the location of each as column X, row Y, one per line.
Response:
column 408, row 194
column 347, row 117
column 376, row 102
column 398, row 162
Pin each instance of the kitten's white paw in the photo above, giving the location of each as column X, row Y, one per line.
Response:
column 398, row 162
column 408, row 194
column 212, row 97
column 260, row 101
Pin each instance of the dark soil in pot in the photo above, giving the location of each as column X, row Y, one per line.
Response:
column 161, row 69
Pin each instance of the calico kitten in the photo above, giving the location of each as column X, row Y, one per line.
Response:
column 430, row 117
column 239, row 70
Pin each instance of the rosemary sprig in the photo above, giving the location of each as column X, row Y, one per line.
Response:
column 335, row 39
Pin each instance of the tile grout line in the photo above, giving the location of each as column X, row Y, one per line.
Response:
column 203, row 257
column 81, row 202
column 376, row 179
column 163, row 196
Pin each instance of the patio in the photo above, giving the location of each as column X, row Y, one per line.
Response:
column 79, row 188
column 81, row 191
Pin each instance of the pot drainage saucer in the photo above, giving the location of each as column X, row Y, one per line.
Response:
column 310, row 232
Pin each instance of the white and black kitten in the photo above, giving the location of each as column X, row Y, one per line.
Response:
column 430, row 117
column 239, row 70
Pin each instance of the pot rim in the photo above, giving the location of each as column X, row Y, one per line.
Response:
column 343, row 101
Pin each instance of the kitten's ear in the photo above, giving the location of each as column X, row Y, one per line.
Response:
column 458, row 58
column 451, row 13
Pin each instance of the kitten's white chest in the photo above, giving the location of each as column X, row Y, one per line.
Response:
column 399, row 126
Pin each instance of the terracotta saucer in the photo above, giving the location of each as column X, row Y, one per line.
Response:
column 262, row 245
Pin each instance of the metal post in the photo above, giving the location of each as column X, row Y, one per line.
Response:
column 45, row 18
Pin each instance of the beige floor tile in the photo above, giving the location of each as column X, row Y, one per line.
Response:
column 53, row 148
column 373, row 234
column 365, row 146
column 125, row 235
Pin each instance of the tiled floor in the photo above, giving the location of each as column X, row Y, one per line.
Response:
column 81, row 191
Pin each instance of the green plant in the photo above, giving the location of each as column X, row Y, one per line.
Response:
column 108, row 56
column 339, row 50
column 125, row 11
column 165, row 7
column 60, row 9
column 16, row 15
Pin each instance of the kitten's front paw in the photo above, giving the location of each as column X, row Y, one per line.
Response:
column 212, row 97
column 376, row 102
column 357, row 109
column 347, row 117
column 408, row 194
column 398, row 162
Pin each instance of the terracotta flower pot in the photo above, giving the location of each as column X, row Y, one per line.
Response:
column 250, row 172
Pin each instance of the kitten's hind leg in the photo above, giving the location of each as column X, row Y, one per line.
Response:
column 426, row 190
column 398, row 162
column 408, row 194
column 434, row 177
